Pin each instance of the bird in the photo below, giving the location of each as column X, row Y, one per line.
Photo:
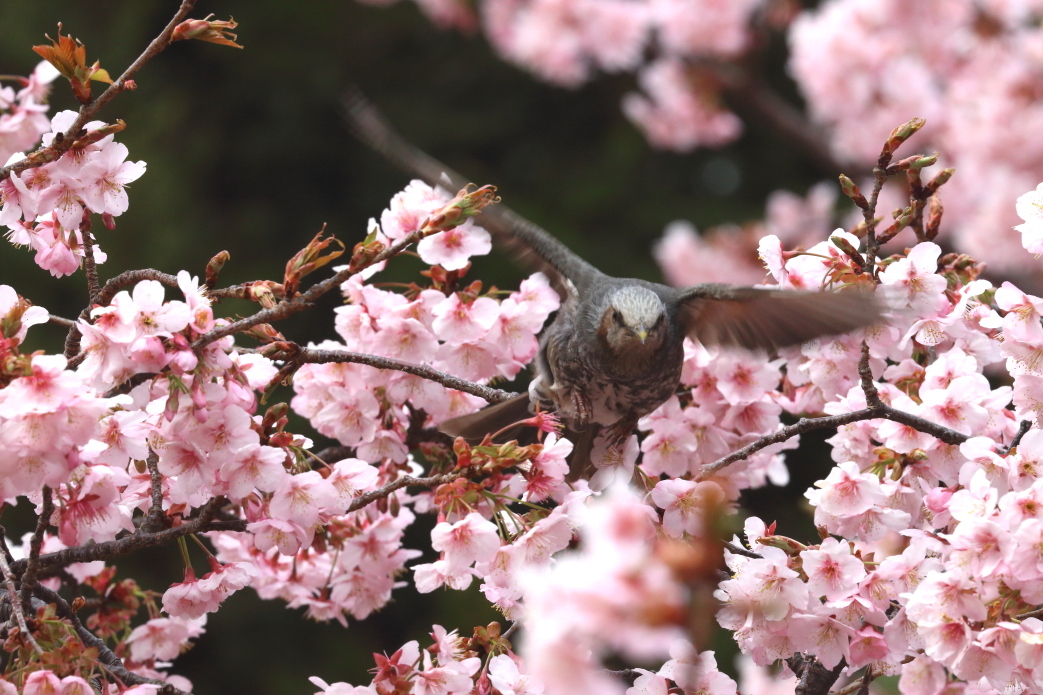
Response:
column 615, row 348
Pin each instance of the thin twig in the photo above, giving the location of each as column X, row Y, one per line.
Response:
column 16, row 605
column 64, row 141
column 289, row 307
column 59, row 321
column 106, row 657
column 408, row 481
column 490, row 394
column 1031, row 614
column 31, row 569
column 869, row 215
column 882, row 411
column 739, row 550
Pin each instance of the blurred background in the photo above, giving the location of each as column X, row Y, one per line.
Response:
column 247, row 152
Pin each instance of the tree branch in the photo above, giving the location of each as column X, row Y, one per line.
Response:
column 16, row 605
column 136, row 541
column 64, row 141
column 407, row 481
column 31, row 569
column 155, row 519
column 291, row 306
column 111, row 662
column 312, row 356
column 882, row 411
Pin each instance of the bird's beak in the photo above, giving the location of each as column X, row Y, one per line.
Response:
column 642, row 335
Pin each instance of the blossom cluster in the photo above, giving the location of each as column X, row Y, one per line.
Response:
column 44, row 207
column 634, row 609
column 465, row 332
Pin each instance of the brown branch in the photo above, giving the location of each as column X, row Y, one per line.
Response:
column 106, row 657
column 307, row 355
column 155, row 519
column 137, row 541
column 289, row 307
column 1023, row 429
column 16, row 605
column 64, row 141
column 815, row 679
column 32, row 568
column 882, row 411
column 407, row 481
column 865, row 375
column 739, row 550
column 59, row 321
column 89, row 266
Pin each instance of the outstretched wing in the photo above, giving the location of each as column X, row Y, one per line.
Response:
column 755, row 318
column 531, row 244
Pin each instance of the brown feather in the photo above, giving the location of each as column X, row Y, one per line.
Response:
column 765, row 319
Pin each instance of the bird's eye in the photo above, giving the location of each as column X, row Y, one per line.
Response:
column 618, row 317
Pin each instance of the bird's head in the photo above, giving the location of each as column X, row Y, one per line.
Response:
column 635, row 320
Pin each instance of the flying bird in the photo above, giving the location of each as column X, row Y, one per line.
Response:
column 614, row 350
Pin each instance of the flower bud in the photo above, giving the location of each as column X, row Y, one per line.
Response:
column 852, row 192
column 934, row 217
column 215, row 266
column 898, row 136
column 214, row 31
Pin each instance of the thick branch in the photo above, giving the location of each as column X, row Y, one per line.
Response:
column 64, row 141
column 882, row 411
column 448, row 380
column 134, row 542
column 815, row 679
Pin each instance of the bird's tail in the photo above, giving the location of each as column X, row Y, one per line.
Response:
column 501, row 416
column 493, row 418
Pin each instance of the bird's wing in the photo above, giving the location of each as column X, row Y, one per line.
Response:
column 755, row 318
column 533, row 245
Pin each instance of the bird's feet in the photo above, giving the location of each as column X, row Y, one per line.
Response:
column 618, row 433
column 583, row 411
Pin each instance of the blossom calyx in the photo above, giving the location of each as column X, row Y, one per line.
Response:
column 212, row 30
column 69, row 57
